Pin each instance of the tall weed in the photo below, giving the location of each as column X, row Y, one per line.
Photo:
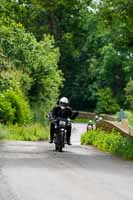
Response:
column 33, row 132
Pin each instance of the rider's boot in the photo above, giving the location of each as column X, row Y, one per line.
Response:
column 51, row 139
column 68, row 142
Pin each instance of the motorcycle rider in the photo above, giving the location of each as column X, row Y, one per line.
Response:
column 90, row 125
column 62, row 110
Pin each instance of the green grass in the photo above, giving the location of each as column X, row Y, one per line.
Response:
column 33, row 132
column 81, row 120
column 112, row 142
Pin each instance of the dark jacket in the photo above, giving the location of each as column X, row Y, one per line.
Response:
column 63, row 113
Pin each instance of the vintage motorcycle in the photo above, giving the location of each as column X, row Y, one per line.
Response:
column 90, row 126
column 60, row 133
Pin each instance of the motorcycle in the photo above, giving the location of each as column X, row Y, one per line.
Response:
column 90, row 126
column 60, row 133
column 61, row 125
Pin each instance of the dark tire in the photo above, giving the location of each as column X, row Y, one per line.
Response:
column 60, row 149
column 61, row 142
column 56, row 148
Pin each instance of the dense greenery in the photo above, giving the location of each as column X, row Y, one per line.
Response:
column 14, row 108
column 106, row 103
column 112, row 142
column 129, row 94
column 87, row 44
column 29, row 73
column 95, row 41
column 32, row 132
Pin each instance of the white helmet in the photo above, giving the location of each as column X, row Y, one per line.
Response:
column 100, row 118
column 63, row 102
column 96, row 117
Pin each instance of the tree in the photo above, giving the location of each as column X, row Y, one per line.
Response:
column 106, row 103
column 129, row 94
column 94, row 39
column 35, row 63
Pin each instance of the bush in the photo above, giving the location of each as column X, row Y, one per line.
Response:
column 106, row 103
column 14, row 108
column 7, row 112
column 129, row 94
column 3, row 131
column 112, row 142
column 41, row 79
column 13, row 79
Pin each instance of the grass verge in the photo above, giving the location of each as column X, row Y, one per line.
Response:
column 81, row 120
column 33, row 132
column 112, row 142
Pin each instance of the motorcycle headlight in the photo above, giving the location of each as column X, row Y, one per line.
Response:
column 62, row 123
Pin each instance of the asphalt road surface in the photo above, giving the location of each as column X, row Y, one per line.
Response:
column 34, row 171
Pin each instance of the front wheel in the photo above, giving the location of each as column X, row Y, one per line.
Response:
column 61, row 141
column 56, row 147
column 60, row 148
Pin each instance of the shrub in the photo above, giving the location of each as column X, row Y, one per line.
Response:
column 3, row 131
column 13, row 79
column 23, row 113
column 106, row 103
column 41, row 79
column 7, row 112
column 112, row 142
column 14, row 108
column 129, row 94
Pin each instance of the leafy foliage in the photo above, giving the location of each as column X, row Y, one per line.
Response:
column 106, row 103
column 129, row 93
column 29, row 66
column 95, row 42
column 14, row 108
column 33, row 132
column 110, row 142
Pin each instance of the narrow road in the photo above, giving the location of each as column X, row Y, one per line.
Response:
column 34, row 171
